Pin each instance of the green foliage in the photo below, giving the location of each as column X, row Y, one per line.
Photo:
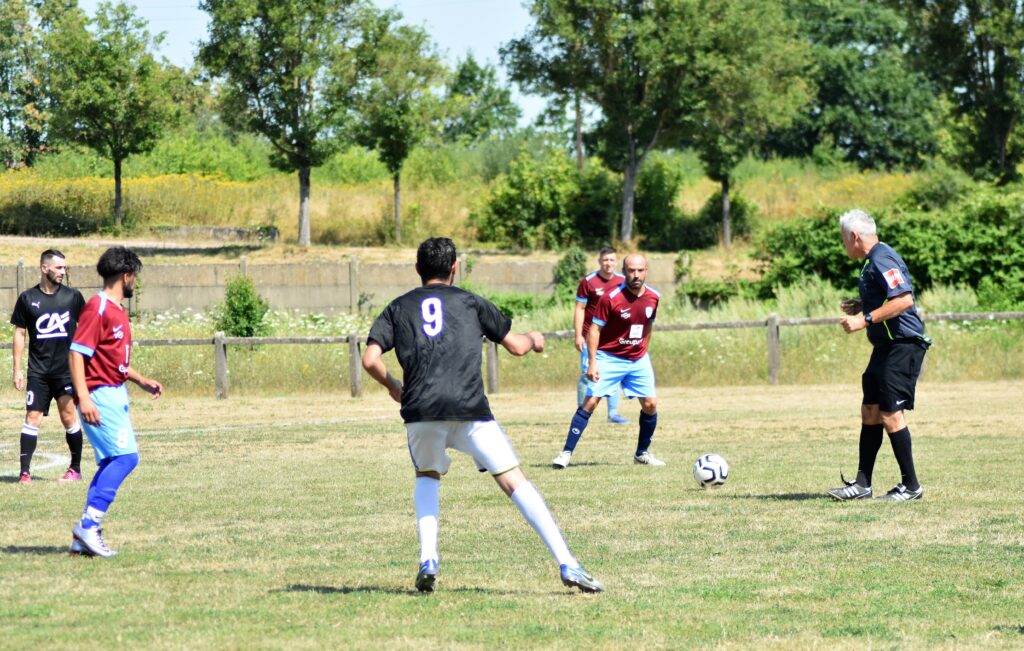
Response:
column 24, row 114
column 705, row 228
column 703, row 294
column 659, row 220
column 478, row 106
column 978, row 242
column 570, row 268
column 244, row 312
column 939, row 186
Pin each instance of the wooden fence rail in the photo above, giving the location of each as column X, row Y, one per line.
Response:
column 772, row 325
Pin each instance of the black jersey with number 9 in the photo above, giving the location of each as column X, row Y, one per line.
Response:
column 436, row 332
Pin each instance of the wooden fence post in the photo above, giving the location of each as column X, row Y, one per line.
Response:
column 355, row 365
column 19, row 277
column 491, row 352
column 774, row 349
column 220, row 354
column 353, row 285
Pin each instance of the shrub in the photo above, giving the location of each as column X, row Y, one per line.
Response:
column 568, row 272
column 244, row 312
column 705, row 228
column 939, row 186
column 658, row 217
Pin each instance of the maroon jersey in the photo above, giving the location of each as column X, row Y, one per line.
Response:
column 623, row 318
column 104, row 338
column 592, row 288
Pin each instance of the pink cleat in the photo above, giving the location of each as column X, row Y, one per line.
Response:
column 70, row 475
column 25, row 479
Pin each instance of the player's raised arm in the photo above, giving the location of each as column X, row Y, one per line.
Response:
column 520, row 344
column 375, row 368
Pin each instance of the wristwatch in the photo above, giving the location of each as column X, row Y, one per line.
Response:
column 867, row 319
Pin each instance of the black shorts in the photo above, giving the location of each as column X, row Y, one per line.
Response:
column 891, row 376
column 40, row 390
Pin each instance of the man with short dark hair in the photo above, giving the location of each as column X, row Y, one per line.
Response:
column 47, row 314
column 591, row 288
column 886, row 311
column 436, row 332
column 100, row 362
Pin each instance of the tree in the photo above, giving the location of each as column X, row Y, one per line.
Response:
column 869, row 103
column 290, row 73
column 631, row 66
column 748, row 69
column 477, row 104
column 396, row 107
column 109, row 92
column 23, row 106
column 974, row 51
column 558, row 73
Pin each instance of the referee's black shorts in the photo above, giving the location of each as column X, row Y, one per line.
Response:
column 891, row 376
column 40, row 390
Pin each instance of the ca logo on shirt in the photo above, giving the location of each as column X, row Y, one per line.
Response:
column 51, row 326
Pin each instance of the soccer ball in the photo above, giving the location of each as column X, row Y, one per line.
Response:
column 710, row 471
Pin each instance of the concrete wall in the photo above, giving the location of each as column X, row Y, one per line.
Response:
column 313, row 287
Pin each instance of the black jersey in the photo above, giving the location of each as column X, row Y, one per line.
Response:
column 437, row 333
column 885, row 276
column 50, row 320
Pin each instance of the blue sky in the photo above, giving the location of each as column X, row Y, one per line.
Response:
column 457, row 26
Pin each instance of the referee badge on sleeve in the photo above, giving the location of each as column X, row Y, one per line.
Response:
column 894, row 278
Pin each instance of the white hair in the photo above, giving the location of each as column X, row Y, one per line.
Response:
column 857, row 221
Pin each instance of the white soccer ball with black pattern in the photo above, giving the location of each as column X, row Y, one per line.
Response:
column 710, row 471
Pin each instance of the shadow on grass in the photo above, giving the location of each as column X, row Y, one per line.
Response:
column 1010, row 628
column 13, row 479
column 783, row 497
column 574, row 464
column 33, row 549
column 327, row 589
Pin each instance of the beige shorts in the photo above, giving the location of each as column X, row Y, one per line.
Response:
column 485, row 441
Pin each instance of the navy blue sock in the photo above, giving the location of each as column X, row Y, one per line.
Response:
column 579, row 423
column 109, row 476
column 647, row 424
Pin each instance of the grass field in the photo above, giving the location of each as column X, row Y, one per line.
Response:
column 287, row 523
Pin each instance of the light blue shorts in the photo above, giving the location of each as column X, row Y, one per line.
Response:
column 636, row 378
column 114, row 435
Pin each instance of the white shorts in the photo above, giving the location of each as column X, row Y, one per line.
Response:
column 485, row 441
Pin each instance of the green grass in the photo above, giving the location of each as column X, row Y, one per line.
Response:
column 286, row 522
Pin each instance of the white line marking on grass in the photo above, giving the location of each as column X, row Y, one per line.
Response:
column 52, row 461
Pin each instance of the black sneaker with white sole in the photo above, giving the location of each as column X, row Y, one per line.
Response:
column 901, row 493
column 851, row 490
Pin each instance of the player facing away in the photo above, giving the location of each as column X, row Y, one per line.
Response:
column 885, row 310
column 48, row 314
column 617, row 345
column 591, row 288
column 436, row 332
column 100, row 361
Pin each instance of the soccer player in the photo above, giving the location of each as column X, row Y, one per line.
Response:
column 886, row 311
column 48, row 313
column 100, row 361
column 617, row 346
column 591, row 288
column 436, row 332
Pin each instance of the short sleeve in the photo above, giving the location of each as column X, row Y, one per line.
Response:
column 654, row 311
column 20, row 316
column 79, row 304
column 87, row 335
column 602, row 310
column 383, row 330
column 494, row 324
column 894, row 275
column 583, row 291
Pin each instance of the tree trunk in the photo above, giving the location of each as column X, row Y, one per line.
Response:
column 628, row 200
column 398, row 208
column 726, row 217
column 579, row 133
column 304, row 171
column 118, row 215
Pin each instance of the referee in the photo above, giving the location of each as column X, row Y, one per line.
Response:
column 886, row 311
column 48, row 315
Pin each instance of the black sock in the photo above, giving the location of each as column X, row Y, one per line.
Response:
column 647, row 424
column 870, row 443
column 75, row 445
column 28, row 448
column 901, row 448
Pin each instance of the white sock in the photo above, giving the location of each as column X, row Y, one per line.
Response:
column 531, row 505
column 29, row 430
column 74, row 429
column 427, row 497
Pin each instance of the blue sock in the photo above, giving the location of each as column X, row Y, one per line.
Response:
column 581, row 390
column 647, row 424
column 579, row 423
column 109, row 476
column 613, row 403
